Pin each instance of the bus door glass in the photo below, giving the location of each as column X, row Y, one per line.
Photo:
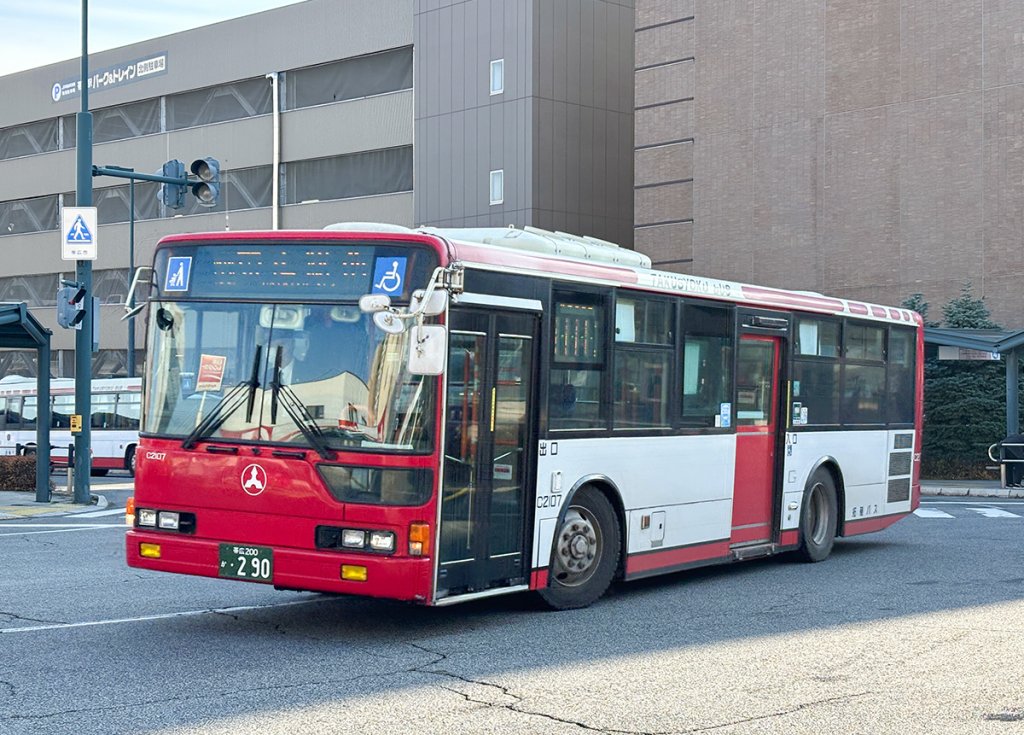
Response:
column 487, row 432
column 757, row 422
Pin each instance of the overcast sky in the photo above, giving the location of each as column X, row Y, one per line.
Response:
column 39, row 32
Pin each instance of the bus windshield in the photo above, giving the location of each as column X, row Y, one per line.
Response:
column 315, row 375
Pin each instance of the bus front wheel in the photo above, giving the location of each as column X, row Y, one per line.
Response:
column 818, row 518
column 586, row 552
column 130, row 462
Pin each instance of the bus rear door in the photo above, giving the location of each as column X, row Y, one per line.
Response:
column 758, row 429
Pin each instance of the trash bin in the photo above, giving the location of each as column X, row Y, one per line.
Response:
column 1011, row 460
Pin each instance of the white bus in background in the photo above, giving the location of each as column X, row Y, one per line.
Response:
column 116, row 407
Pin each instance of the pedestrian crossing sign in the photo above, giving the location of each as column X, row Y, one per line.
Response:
column 79, row 233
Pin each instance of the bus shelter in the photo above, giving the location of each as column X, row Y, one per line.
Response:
column 20, row 330
column 1005, row 343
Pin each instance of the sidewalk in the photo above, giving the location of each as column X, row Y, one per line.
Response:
column 22, row 504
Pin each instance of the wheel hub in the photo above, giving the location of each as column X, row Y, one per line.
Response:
column 577, row 545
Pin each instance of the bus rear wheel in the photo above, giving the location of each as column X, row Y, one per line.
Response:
column 586, row 552
column 818, row 518
column 130, row 462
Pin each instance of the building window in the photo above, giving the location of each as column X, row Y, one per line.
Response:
column 349, row 79
column 498, row 186
column 369, row 173
column 497, row 76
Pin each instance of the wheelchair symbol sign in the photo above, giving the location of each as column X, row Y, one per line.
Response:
column 389, row 275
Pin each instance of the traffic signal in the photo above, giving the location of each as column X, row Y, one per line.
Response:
column 207, row 189
column 70, row 309
column 173, row 195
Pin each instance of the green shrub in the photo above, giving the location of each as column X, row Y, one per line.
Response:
column 17, row 473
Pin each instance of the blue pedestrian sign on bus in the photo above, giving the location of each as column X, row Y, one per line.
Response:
column 389, row 275
column 179, row 270
column 79, row 233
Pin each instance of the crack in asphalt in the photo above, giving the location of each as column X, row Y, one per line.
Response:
column 15, row 616
column 781, row 713
column 507, row 691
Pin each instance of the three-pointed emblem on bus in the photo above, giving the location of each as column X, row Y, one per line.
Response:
column 254, row 480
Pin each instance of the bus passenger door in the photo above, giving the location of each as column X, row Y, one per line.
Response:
column 488, row 425
column 757, row 426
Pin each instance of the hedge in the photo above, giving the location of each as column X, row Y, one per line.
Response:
column 17, row 473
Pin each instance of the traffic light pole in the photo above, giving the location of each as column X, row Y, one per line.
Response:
column 83, row 274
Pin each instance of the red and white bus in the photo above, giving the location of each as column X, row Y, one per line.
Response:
column 438, row 416
column 116, row 405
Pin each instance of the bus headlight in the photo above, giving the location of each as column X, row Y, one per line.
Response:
column 168, row 520
column 353, row 538
column 382, row 541
column 146, row 516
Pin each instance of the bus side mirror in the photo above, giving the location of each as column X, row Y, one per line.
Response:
column 434, row 305
column 130, row 307
column 371, row 303
column 428, row 347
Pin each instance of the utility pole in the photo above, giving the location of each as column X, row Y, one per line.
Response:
column 83, row 274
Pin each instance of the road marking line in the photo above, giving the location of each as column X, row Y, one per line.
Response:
column 100, row 513
column 94, row 527
column 58, row 525
column 994, row 512
column 931, row 513
column 976, row 501
column 163, row 616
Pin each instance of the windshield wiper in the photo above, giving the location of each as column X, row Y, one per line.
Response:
column 227, row 405
column 296, row 411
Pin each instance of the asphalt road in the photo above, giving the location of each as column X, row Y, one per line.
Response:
column 918, row 629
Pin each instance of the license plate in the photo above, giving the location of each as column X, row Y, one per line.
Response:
column 255, row 563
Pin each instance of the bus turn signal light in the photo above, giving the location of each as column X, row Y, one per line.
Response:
column 129, row 512
column 419, row 539
column 353, row 572
column 150, row 551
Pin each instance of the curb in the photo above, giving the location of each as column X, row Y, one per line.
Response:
column 27, row 508
column 973, row 492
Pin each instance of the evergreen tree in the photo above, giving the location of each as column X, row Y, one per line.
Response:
column 967, row 312
column 916, row 302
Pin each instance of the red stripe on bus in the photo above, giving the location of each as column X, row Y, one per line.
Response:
column 869, row 525
column 649, row 561
column 510, row 258
column 790, row 298
column 538, row 579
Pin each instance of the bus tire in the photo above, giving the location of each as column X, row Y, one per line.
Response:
column 129, row 461
column 819, row 517
column 586, row 552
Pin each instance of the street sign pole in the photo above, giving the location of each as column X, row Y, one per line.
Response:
column 83, row 274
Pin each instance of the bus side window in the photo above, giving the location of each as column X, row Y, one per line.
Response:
column 29, row 412
column 707, row 364
column 579, row 359
column 127, row 413
column 13, row 413
column 3, row 413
